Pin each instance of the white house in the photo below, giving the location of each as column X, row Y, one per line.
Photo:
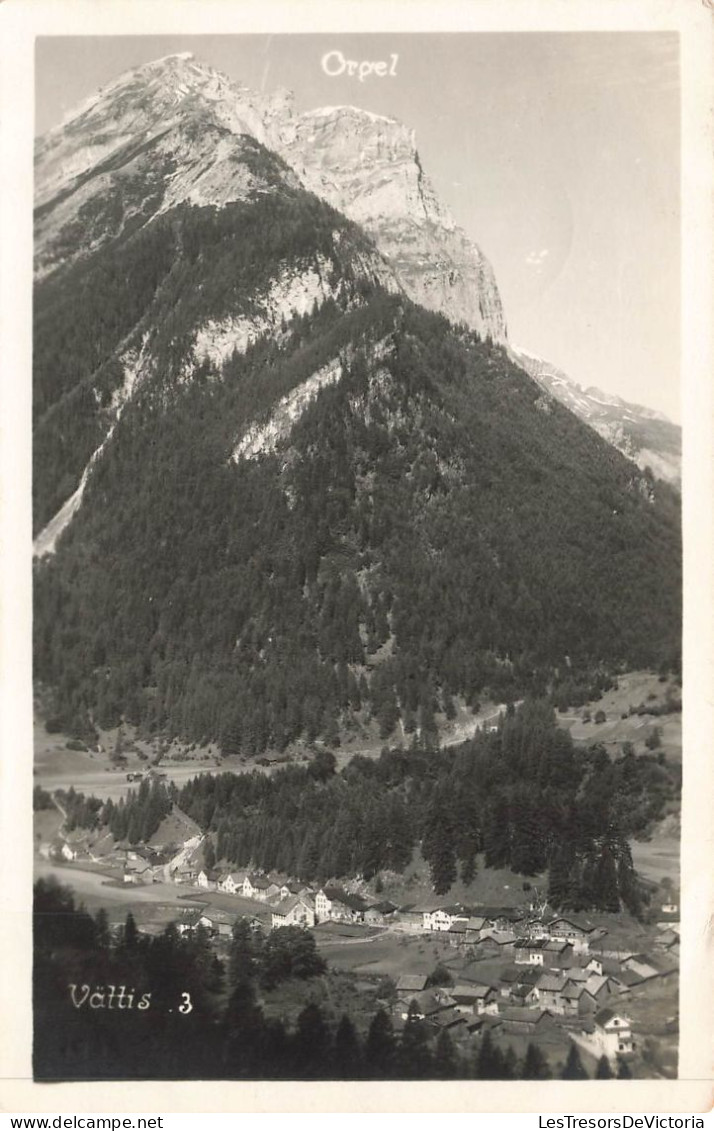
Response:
column 442, row 919
column 207, row 879
column 609, row 1034
column 257, row 887
column 232, row 883
column 293, row 911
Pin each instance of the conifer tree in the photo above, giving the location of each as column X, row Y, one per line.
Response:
column 573, row 1068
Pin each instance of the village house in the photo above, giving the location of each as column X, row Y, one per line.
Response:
column 577, row 1001
column 209, row 879
column 475, row 999
column 217, row 922
column 232, row 883
column 457, row 933
column 475, row 924
column 496, row 944
column 410, row 918
column 441, row 918
column 339, row 905
column 428, row 1003
column 258, row 887
column 550, row 986
column 503, row 918
column 566, row 930
column 608, row 1034
column 411, row 983
column 380, row 913
column 295, row 911
column 523, row 994
column 529, row 951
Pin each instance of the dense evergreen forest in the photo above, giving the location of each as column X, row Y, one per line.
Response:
column 524, row 797
column 145, row 1029
column 432, row 527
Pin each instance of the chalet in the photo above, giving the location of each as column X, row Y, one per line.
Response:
column 411, row 983
column 380, row 913
column 576, row 1000
column 523, row 994
column 449, row 1019
column 642, row 965
column 208, row 879
column 257, row 887
column 457, row 933
column 294, row 911
column 232, row 883
column 500, row 944
column 293, row 887
column 442, row 918
column 474, row 999
column 550, row 987
column 429, row 1003
column 501, row 918
column 523, row 1020
column 567, row 930
column 475, row 924
column 342, row 906
column 185, row 874
column 410, row 918
column 600, row 988
column 68, row 851
column 529, row 951
column 609, row 1034
column 217, row 922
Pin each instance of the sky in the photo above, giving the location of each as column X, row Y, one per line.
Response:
column 557, row 152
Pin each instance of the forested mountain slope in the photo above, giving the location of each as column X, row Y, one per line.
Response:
column 273, row 496
column 424, row 527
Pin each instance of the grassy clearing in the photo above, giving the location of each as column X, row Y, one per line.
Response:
column 633, row 689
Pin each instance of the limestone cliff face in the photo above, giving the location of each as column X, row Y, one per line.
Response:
column 178, row 131
column 368, row 167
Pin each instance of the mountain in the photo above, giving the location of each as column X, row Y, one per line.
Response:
column 167, row 132
column 275, row 496
column 640, row 433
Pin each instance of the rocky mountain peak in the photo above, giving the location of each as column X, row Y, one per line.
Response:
column 364, row 164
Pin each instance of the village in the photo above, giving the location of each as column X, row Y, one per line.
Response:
column 521, row 973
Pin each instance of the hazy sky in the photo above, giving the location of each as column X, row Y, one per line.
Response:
column 557, row 152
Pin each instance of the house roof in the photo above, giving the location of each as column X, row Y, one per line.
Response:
column 458, row 927
column 522, row 1013
column 475, row 923
column 522, row 990
column 595, row 983
column 385, row 907
column 552, row 983
column 414, row 982
column 258, row 882
column 603, row 1016
column 503, row 938
column 464, row 992
column 289, row 903
column 586, row 928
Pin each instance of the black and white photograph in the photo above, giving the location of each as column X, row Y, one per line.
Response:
column 357, row 555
